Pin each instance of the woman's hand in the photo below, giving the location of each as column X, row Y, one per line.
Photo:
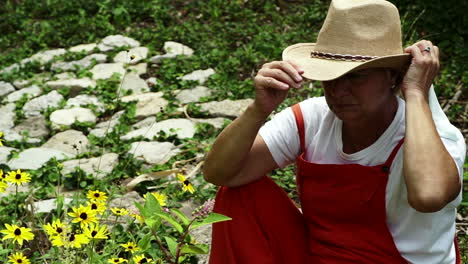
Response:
column 273, row 82
column 422, row 70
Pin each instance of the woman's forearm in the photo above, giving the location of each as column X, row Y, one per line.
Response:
column 430, row 173
column 227, row 155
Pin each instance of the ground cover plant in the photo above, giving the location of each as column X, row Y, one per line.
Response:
column 233, row 37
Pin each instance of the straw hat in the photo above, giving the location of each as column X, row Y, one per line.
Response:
column 356, row 34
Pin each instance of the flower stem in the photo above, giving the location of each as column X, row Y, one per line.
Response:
column 168, row 255
column 182, row 239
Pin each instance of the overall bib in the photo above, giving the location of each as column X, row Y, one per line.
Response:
column 343, row 218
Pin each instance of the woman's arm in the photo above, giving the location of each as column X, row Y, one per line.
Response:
column 430, row 172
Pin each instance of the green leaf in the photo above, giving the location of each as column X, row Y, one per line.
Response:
column 181, row 216
column 150, row 218
column 212, row 218
column 144, row 243
column 192, row 249
column 151, row 204
column 169, row 218
column 172, row 244
column 141, row 209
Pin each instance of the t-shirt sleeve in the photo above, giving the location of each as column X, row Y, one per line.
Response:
column 457, row 150
column 281, row 135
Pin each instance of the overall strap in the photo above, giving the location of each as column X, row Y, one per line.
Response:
column 394, row 152
column 300, row 125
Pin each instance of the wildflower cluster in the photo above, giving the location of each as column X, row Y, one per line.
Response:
column 14, row 177
column 205, row 209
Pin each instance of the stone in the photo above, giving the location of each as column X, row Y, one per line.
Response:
column 44, row 57
column 153, row 152
column 6, row 88
column 193, row 95
column 75, row 85
column 31, row 91
column 72, row 142
column 83, row 100
column 11, row 68
column 199, row 75
column 12, row 135
column 183, row 128
column 226, row 108
column 66, row 117
column 159, row 58
column 4, row 153
column 7, row 113
column 106, row 70
column 111, row 42
column 172, row 47
column 79, row 64
column 151, row 81
column 139, row 69
column 106, row 126
column 217, row 122
column 35, row 126
column 88, row 48
column 41, row 103
column 147, row 122
column 147, row 104
column 47, row 206
column 138, row 54
column 65, row 76
column 34, row 158
column 134, row 83
column 99, row 167
column 20, row 84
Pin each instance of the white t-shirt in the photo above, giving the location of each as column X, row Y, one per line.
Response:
column 421, row 238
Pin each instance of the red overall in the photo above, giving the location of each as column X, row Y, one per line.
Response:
column 343, row 220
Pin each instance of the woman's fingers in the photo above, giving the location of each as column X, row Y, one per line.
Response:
column 270, row 82
column 282, row 71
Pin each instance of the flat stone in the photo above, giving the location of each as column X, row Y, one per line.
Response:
column 106, row 70
column 184, row 128
column 111, row 42
column 4, row 153
column 75, row 85
column 177, row 48
column 11, row 68
column 79, row 64
column 106, row 126
column 147, row 104
column 34, row 158
column 217, row 122
column 226, row 108
column 72, row 142
column 31, row 91
column 66, row 117
column 20, row 84
column 139, row 69
column 153, row 152
column 135, row 84
column 138, row 53
column 147, row 122
column 47, row 206
column 7, row 113
column 88, row 48
column 12, row 135
column 159, row 58
column 99, row 167
column 83, row 100
column 65, row 76
column 6, row 88
column 199, row 75
column 44, row 57
column 193, row 95
column 35, row 126
column 41, row 103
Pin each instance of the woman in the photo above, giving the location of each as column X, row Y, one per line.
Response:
column 366, row 197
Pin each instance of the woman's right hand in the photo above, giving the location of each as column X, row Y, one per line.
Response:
column 273, row 82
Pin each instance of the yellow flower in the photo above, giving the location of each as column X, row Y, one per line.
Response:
column 186, row 185
column 17, row 233
column 83, row 215
column 97, row 206
column 142, row 259
column 76, row 240
column 138, row 217
column 55, row 228
column 97, row 196
column 58, row 240
column 96, row 231
column 3, row 186
column 160, row 197
column 2, row 176
column 18, row 177
column 119, row 211
column 18, row 258
column 1, row 139
column 130, row 247
column 117, row 260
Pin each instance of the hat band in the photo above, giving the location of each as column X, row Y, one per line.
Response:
column 344, row 57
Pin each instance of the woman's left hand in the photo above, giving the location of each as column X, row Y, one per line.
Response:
column 422, row 70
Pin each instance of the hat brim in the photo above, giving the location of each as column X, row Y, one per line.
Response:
column 327, row 69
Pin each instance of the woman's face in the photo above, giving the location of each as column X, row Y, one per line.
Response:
column 361, row 95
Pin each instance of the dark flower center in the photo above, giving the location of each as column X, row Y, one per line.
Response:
column 96, row 195
column 186, row 182
column 93, row 206
column 18, row 176
column 130, row 247
column 59, row 230
column 144, row 261
column 94, row 233
column 116, row 261
column 19, row 261
column 72, row 237
column 117, row 212
column 17, row 232
column 83, row 216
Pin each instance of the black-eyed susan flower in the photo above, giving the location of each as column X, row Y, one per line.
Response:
column 18, row 258
column 117, row 260
column 160, row 197
column 97, row 206
column 18, row 177
column 119, row 211
column 142, row 259
column 1, row 139
column 76, row 240
column 138, row 217
column 55, row 228
column 96, row 196
column 83, row 215
column 18, row 234
column 186, row 185
column 96, row 232
column 130, row 247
